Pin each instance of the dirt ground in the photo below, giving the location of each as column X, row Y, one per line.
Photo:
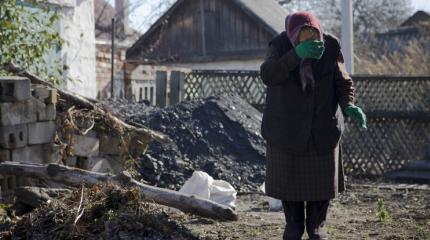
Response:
column 353, row 215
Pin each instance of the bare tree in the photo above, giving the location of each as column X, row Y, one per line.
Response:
column 152, row 10
column 157, row 8
column 370, row 16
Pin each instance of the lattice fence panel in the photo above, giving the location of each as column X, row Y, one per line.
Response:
column 393, row 94
column 398, row 110
column 248, row 85
column 387, row 145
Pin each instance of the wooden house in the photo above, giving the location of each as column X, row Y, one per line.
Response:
column 415, row 29
column 211, row 34
column 203, row 34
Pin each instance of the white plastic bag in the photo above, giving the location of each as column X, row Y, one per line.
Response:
column 203, row 185
column 274, row 204
column 223, row 193
column 198, row 184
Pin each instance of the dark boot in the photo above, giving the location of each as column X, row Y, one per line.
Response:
column 316, row 213
column 295, row 218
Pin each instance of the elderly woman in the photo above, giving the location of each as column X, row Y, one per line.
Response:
column 308, row 92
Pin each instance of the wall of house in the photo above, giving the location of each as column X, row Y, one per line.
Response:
column 141, row 82
column 77, row 28
column 103, row 71
column 224, row 31
column 245, row 65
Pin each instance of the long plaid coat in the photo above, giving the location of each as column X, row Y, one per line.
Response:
column 303, row 131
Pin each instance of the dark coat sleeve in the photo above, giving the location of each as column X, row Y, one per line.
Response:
column 344, row 85
column 276, row 69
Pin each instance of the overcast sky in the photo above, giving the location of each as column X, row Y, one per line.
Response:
column 145, row 10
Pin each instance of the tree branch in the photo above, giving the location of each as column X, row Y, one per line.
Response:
column 75, row 177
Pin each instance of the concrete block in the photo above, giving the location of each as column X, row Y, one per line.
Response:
column 40, row 110
column 41, row 154
column 111, row 146
column 45, row 112
column 40, row 92
column 51, row 112
column 21, row 155
column 14, row 89
column 85, row 146
column 71, row 161
column 45, row 94
column 15, row 113
column 4, row 155
column 53, row 97
column 51, row 153
column 13, row 136
column 97, row 164
column 41, row 132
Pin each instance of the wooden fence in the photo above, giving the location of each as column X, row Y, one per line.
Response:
column 398, row 111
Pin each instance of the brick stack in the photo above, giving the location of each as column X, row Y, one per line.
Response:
column 27, row 124
column 97, row 152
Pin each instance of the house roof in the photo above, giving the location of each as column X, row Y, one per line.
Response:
column 414, row 28
column 416, row 18
column 268, row 12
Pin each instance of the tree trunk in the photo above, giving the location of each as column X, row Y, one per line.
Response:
column 75, row 177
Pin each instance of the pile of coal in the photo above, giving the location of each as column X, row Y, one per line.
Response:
column 219, row 135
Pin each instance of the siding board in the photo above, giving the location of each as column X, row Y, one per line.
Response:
column 229, row 32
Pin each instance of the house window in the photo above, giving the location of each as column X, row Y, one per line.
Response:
column 146, row 93
column 140, row 94
column 151, row 93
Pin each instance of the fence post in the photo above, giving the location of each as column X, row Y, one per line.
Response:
column 177, row 80
column 161, row 88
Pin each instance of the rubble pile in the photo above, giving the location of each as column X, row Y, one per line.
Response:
column 100, row 212
column 219, row 135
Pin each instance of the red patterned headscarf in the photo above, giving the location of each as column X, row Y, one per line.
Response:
column 293, row 24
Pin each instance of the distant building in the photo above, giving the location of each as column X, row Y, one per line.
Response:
column 205, row 34
column 125, row 36
column 415, row 28
column 76, row 27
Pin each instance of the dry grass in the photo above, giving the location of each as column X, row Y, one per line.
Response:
column 413, row 60
column 99, row 212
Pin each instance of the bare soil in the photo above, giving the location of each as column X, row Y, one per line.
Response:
column 353, row 215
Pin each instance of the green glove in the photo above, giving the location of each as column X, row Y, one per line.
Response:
column 310, row 49
column 357, row 114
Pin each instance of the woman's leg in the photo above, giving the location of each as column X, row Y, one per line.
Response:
column 316, row 213
column 295, row 218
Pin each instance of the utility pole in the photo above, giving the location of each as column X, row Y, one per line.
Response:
column 112, row 92
column 203, row 29
column 347, row 36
